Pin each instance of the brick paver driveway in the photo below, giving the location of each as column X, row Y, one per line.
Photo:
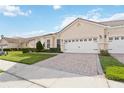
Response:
column 84, row 64
column 120, row 57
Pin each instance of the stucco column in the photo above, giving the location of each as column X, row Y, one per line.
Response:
column 105, row 39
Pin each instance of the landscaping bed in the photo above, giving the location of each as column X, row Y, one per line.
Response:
column 112, row 68
column 26, row 58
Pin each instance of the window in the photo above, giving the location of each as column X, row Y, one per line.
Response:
column 81, row 40
column 110, row 38
column 85, row 40
column 69, row 41
column 105, row 36
column 58, row 43
column 44, row 44
column 72, row 40
column 48, row 43
column 95, row 39
column 116, row 38
column 100, row 36
column 76, row 40
column 122, row 38
column 65, row 40
column 26, row 44
column 90, row 39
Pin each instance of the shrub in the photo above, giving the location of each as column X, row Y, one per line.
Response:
column 104, row 53
column 39, row 46
column 20, row 49
column 25, row 50
column 52, row 50
column 55, row 50
column 7, row 49
column 32, row 49
column 45, row 50
column 115, row 73
column 11, row 49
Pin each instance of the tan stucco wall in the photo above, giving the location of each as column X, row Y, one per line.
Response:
column 32, row 44
column 43, row 39
column 9, row 45
column 52, row 39
column 13, row 45
column 83, row 29
column 118, row 31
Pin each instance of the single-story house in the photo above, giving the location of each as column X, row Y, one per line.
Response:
column 80, row 36
column 6, row 42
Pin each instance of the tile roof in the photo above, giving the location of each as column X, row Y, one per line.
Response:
column 17, row 40
column 113, row 23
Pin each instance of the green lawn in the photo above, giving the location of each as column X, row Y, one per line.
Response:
column 112, row 68
column 26, row 58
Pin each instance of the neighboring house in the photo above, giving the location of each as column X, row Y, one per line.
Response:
column 81, row 36
column 6, row 42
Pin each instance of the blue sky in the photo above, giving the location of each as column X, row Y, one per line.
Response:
column 26, row 21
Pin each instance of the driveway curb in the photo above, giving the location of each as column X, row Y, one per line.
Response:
column 99, row 67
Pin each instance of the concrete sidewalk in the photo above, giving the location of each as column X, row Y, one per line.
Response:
column 10, row 81
column 21, row 75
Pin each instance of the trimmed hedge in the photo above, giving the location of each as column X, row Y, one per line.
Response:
column 55, row 50
column 10, row 49
column 115, row 73
column 24, row 50
column 27, row 50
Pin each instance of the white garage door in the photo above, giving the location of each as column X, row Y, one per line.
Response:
column 116, row 45
column 81, row 47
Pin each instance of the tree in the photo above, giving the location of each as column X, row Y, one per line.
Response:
column 39, row 46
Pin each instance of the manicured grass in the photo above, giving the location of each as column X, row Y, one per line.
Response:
column 26, row 58
column 115, row 73
column 112, row 68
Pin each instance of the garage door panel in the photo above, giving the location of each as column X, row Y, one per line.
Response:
column 116, row 46
column 81, row 47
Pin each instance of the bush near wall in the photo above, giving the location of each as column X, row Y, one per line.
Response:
column 104, row 53
column 52, row 50
column 24, row 50
column 10, row 49
column 27, row 50
column 55, row 50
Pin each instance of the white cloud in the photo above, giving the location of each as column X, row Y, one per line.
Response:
column 93, row 15
column 31, row 33
column 65, row 22
column 56, row 7
column 117, row 16
column 96, row 15
column 13, row 11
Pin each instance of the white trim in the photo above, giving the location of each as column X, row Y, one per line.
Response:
column 115, row 26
